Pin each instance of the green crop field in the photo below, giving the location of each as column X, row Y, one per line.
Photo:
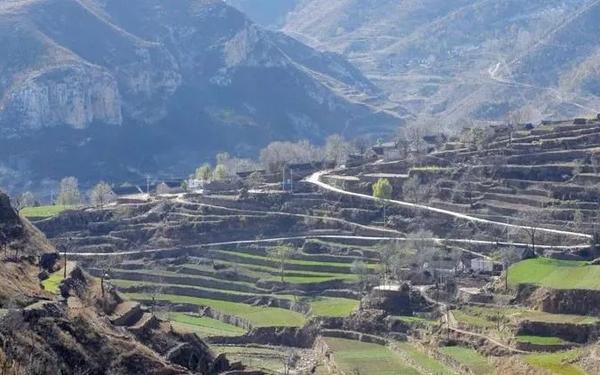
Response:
column 469, row 358
column 204, row 326
column 241, row 257
column 333, row 307
column 258, row 316
column 431, row 365
column 52, row 282
column 367, row 359
column 486, row 317
column 44, row 211
column 556, row 363
column 557, row 274
column 540, row 340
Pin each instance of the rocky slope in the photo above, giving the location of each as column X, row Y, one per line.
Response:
column 465, row 58
column 86, row 327
column 160, row 86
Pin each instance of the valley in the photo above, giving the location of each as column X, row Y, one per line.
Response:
column 482, row 262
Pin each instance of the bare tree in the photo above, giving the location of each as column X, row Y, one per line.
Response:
column 255, row 180
column 26, row 199
column 279, row 154
column 102, row 194
column 387, row 257
column 281, row 254
column 531, row 221
column 510, row 256
column 337, row 149
column 162, row 189
column 361, row 270
column 69, row 194
column 413, row 191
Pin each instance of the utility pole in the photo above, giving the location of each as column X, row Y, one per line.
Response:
column 65, row 257
column 292, row 180
column 148, row 185
column 283, row 178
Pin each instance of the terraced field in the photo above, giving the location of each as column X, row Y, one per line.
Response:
column 369, row 359
column 203, row 326
column 556, row 274
column 44, row 211
column 556, row 363
column 258, row 316
column 209, row 262
column 469, row 358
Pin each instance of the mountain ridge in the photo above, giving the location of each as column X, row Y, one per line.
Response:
column 145, row 80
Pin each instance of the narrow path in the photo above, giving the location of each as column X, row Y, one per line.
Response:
column 310, row 237
column 289, row 214
column 315, row 179
column 492, row 340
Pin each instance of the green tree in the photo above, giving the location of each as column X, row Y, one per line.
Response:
column 69, row 194
column 102, row 194
column 382, row 190
column 204, row 173
column 281, row 254
column 220, row 173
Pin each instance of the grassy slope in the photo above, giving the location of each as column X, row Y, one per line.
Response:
column 368, row 359
column 256, row 315
column 204, row 326
column 43, row 211
column 557, row 274
column 556, row 363
column 470, row 358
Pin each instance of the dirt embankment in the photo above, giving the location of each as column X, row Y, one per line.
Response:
column 561, row 301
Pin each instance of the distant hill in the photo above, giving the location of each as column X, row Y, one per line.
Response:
column 115, row 89
column 269, row 13
column 464, row 58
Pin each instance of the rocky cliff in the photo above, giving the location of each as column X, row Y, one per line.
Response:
column 162, row 86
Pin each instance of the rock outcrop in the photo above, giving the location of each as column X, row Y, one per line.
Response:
column 79, row 329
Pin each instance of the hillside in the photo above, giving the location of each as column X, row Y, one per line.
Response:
column 465, row 59
column 482, row 260
column 441, row 283
column 162, row 88
column 78, row 324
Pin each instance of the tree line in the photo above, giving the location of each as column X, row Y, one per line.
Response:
column 69, row 194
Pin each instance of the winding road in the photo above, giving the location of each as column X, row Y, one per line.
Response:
column 315, row 179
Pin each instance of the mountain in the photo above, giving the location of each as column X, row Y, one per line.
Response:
column 111, row 89
column 459, row 58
